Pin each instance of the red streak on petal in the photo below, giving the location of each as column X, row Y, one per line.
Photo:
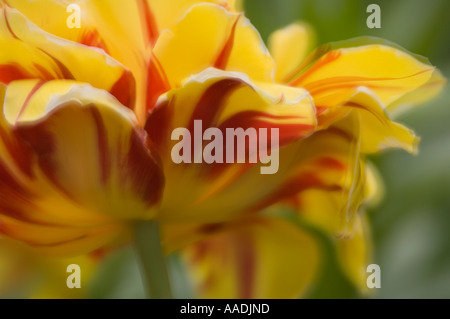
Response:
column 143, row 168
column 92, row 38
column 340, row 132
column 8, row 26
column 9, row 73
column 43, row 142
column 288, row 132
column 157, row 82
column 125, row 89
column 328, row 58
column 158, row 126
column 149, row 22
column 45, row 75
column 19, row 152
column 27, row 100
column 65, row 73
column 224, row 55
column 253, row 119
column 7, row 181
column 303, row 181
column 103, row 145
column 212, row 102
column 331, row 163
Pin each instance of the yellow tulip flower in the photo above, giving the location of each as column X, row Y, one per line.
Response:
column 88, row 113
column 76, row 161
column 356, row 91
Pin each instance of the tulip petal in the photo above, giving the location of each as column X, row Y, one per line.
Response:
column 374, row 187
column 354, row 253
column 126, row 30
column 391, row 73
column 257, row 258
column 223, row 100
column 104, row 24
column 207, row 36
column 35, row 54
column 167, row 14
column 325, row 177
column 88, row 167
column 378, row 132
column 425, row 93
column 61, row 241
column 289, row 47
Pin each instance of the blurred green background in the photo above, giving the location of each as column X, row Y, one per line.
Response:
column 411, row 226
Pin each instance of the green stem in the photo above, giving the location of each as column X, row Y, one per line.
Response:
column 153, row 263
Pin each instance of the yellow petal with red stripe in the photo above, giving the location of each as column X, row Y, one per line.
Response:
column 256, row 258
column 103, row 24
column 289, row 47
column 168, row 13
column 426, row 92
column 389, row 72
column 208, row 35
column 35, row 54
column 378, row 132
column 108, row 24
column 126, row 30
column 62, row 240
column 83, row 167
column 325, row 178
column 224, row 100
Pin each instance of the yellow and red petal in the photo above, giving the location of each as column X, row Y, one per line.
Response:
column 110, row 24
column 126, row 30
column 289, row 47
column 223, row 100
column 88, row 165
column 107, row 25
column 168, row 13
column 35, row 54
column 426, row 92
column 325, row 177
column 61, row 240
column 208, row 35
column 256, row 258
column 378, row 132
column 391, row 74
